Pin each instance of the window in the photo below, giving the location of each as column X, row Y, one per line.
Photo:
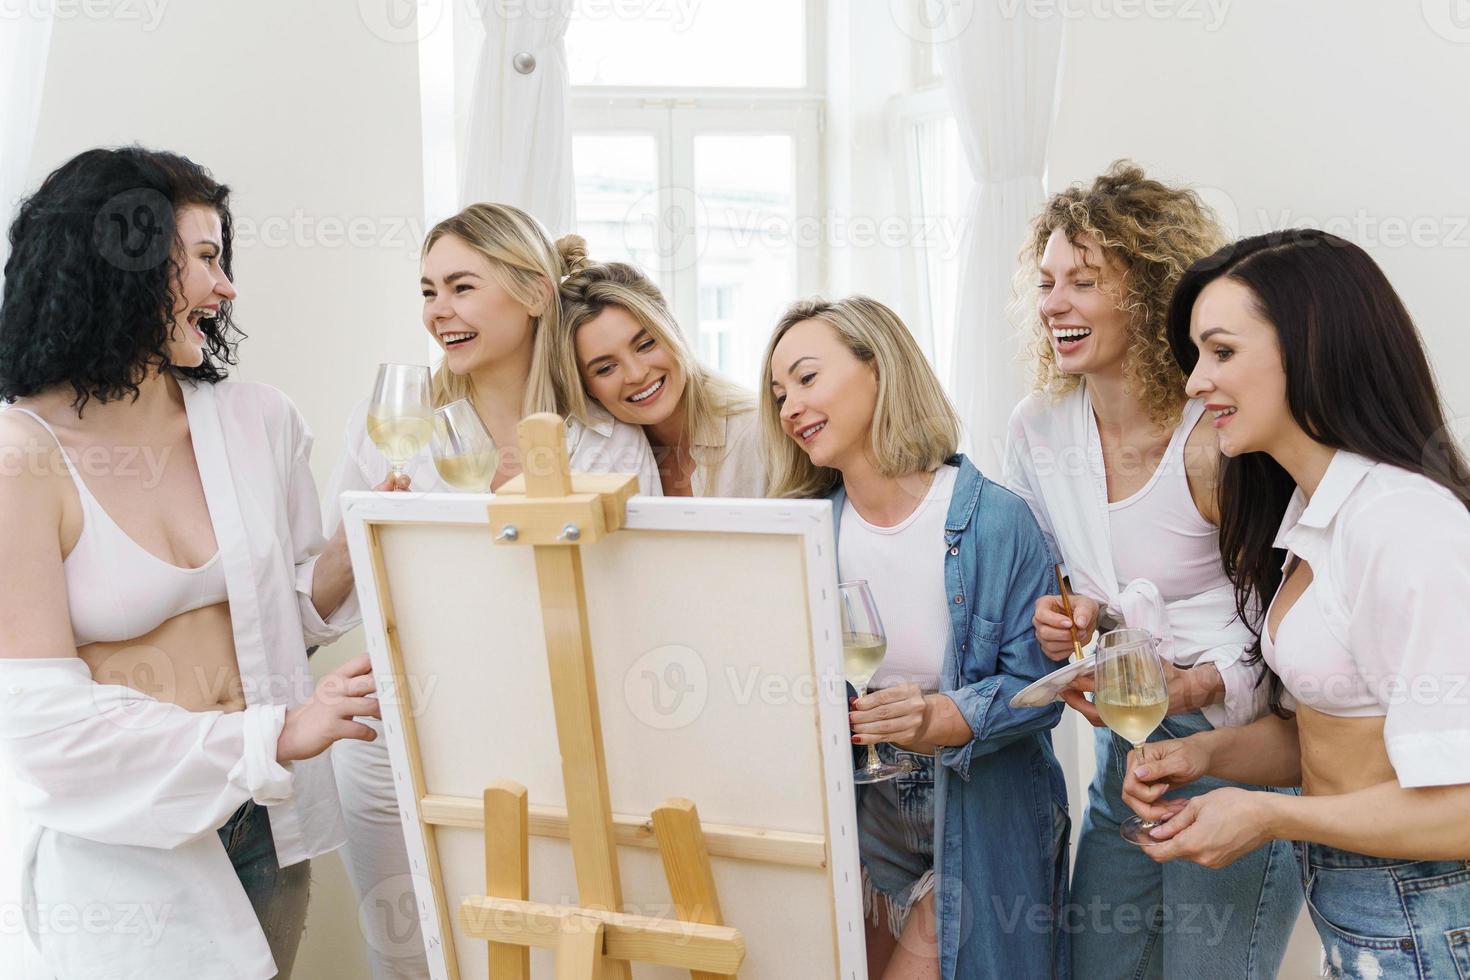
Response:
column 699, row 163
column 706, row 43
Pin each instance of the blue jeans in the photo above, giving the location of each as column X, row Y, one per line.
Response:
column 278, row 895
column 1388, row 918
column 896, row 837
column 1133, row 918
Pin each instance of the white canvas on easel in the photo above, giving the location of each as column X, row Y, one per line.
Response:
column 717, row 653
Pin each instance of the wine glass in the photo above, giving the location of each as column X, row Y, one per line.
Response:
column 464, row 452
column 863, row 646
column 1132, row 698
column 399, row 416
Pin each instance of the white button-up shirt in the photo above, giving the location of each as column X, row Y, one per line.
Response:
column 729, row 460
column 1379, row 631
column 1054, row 462
column 126, row 792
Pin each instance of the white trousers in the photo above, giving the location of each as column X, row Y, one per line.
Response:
column 377, row 859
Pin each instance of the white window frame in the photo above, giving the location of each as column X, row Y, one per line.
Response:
column 675, row 115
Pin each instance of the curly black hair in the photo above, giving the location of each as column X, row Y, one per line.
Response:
column 93, row 272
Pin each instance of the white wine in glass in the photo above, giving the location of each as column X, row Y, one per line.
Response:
column 464, row 452
column 1132, row 699
column 863, row 645
column 400, row 419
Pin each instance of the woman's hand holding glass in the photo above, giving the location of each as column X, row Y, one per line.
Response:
column 1159, row 767
column 897, row 714
column 1214, row 829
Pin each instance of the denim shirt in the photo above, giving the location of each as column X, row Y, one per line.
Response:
column 1001, row 826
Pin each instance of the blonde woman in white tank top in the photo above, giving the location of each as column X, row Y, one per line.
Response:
column 1120, row 472
column 164, row 572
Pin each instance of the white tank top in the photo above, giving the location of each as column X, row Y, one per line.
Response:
column 904, row 568
column 117, row 589
column 1159, row 534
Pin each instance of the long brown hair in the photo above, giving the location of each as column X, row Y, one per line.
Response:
column 1357, row 379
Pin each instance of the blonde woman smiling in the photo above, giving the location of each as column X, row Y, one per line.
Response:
column 956, row 564
column 1135, row 522
column 490, row 277
column 620, row 346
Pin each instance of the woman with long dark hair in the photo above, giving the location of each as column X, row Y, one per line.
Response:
column 164, row 573
column 1345, row 514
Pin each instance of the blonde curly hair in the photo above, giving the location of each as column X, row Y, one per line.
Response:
column 1153, row 232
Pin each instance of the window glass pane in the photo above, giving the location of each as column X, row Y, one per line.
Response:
column 755, row 43
column 616, row 176
column 746, row 235
column 944, row 187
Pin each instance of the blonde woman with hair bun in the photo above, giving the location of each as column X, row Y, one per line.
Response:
column 955, row 563
column 490, row 280
column 619, row 349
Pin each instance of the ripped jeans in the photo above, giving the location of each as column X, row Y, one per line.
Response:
column 1386, row 918
column 896, row 838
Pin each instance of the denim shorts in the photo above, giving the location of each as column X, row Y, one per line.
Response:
column 896, row 837
column 1386, row 917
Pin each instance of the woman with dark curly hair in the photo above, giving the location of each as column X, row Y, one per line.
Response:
column 165, row 571
column 1120, row 469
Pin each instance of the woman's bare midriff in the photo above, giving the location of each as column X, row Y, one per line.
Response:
column 1341, row 755
column 188, row 661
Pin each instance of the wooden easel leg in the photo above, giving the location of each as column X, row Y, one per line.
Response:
column 579, row 953
column 507, row 869
column 687, row 868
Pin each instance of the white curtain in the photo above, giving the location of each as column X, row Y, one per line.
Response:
column 25, row 40
column 1001, row 73
column 519, row 145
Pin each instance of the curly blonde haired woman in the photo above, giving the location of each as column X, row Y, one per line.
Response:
column 971, row 842
column 1120, row 469
column 620, row 349
column 489, row 281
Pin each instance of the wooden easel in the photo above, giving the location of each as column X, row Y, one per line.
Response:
column 557, row 513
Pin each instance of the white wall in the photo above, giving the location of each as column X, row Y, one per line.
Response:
column 1349, row 116
column 310, row 112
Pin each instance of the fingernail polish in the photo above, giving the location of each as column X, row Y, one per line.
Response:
column 855, row 740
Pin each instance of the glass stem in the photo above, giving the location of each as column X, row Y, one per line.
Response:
column 873, row 762
column 1144, row 822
